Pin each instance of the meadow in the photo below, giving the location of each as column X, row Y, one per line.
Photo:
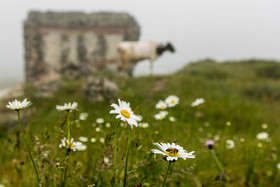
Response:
column 241, row 100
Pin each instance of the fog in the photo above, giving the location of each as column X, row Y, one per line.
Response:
column 217, row 29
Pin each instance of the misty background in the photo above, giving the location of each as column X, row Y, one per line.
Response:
column 217, row 29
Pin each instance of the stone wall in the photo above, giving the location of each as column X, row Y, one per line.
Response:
column 55, row 40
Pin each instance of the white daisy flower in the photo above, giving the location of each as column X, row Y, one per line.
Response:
column 17, row 105
column 93, row 140
column 97, row 129
column 80, row 146
column 197, row 102
column 74, row 146
column 125, row 113
column 83, row 139
column 230, row 144
column 161, row 105
column 264, row 126
column 172, row 119
column 102, row 140
column 172, row 151
column 263, row 136
column 108, row 125
column 83, row 116
column 99, row 120
column 278, row 166
column 106, row 159
column 144, row 125
column 172, row 100
column 161, row 115
column 67, row 106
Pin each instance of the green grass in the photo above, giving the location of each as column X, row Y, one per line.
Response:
column 244, row 93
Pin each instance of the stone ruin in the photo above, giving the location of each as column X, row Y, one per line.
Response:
column 72, row 45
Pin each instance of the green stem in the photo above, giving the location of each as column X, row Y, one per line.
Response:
column 217, row 160
column 67, row 149
column 126, row 159
column 166, row 174
column 68, row 126
column 219, row 164
column 22, row 133
column 116, row 148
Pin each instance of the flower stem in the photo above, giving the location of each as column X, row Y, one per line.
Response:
column 217, row 160
column 68, row 126
column 67, row 149
column 166, row 174
column 116, row 148
column 126, row 159
column 22, row 133
column 219, row 164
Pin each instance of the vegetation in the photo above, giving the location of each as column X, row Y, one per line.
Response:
column 241, row 100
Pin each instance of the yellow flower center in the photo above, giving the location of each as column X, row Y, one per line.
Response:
column 162, row 107
column 19, row 106
column 125, row 113
column 70, row 144
column 173, row 101
column 172, row 152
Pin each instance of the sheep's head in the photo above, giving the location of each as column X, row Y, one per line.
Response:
column 165, row 47
column 170, row 47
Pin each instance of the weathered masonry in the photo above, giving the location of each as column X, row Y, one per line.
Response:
column 58, row 41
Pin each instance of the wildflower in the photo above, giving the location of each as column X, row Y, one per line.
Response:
column 262, row 136
column 264, row 126
column 106, row 159
column 108, row 125
column 161, row 105
column 228, row 123
column 172, row 100
column 216, row 137
column 93, row 140
column 172, row 151
column 172, row 119
column 81, row 147
column 68, row 106
column 125, row 113
column 17, row 105
column 83, row 116
column 259, row 145
column 99, row 120
column 206, row 124
column 209, row 143
column 102, row 140
column 83, row 139
column 143, row 125
column 242, row 140
column 278, row 166
column 74, row 146
column 230, row 144
column 197, row 102
column 161, row 115
column 97, row 129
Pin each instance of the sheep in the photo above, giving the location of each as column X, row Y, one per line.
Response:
column 132, row 52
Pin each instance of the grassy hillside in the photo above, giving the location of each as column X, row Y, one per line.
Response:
column 241, row 100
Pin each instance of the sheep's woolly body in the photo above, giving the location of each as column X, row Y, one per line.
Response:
column 136, row 51
column 132, row 52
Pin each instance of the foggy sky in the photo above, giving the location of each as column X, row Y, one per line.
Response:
column 218, row 29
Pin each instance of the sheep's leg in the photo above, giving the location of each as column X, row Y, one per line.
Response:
column 124, row 61
column 151, row 67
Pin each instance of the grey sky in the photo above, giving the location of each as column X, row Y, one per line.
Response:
column 219, row 29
